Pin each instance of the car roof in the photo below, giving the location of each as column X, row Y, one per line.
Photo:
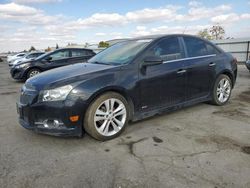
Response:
column 155, row 37
column 73, row 48
column 36, row 52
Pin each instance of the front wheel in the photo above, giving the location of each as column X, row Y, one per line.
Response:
column 107, row 116
column 222, row 90
column 33, row 72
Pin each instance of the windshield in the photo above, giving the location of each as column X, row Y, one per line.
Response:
column 43, row 55
column 120, row 53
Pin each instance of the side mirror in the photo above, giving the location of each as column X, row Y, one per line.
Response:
column 48, row 59
column 152, row 60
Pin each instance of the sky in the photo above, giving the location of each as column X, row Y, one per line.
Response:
column 43, row 23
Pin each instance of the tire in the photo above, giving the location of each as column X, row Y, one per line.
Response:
column 221, row 95
column 103, row 124
column 33, row 72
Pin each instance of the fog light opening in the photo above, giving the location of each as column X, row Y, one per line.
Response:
column 50, row 123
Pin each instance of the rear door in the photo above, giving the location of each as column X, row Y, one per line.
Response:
column 200, row 66
column 163, row 85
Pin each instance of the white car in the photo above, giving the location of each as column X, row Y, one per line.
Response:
column 16, row 56
column 26, row 57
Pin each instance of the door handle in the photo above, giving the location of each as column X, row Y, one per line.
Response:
column 211, row 64
column 181, row 71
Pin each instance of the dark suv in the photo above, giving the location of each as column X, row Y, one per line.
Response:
column 130, row 80
column 57, row 58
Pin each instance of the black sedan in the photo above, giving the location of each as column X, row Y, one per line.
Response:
column 57, row 58
column 130, row 80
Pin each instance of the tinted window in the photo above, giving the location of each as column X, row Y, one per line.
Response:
column 168, row 49
column 195, row 47
column 20, row 55
column 77, row 53
column 29, row 56
column 33, row 55
column 121, row 52
column 211, row 49
column 60, row 55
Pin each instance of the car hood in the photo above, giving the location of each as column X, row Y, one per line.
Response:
column 66, row 75
column 24, row 60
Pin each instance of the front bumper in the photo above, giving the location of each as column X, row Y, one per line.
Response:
column 17, row 74
column 32, row 117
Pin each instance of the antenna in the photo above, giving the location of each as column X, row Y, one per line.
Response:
column 184, row 30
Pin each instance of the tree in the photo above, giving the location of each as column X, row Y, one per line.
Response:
column 214, row 33
column 103, row 44
column 57, row 46
column 47, row 49
column 205, row 34
column 32, row 48
column 86, row 45
column 217, row 31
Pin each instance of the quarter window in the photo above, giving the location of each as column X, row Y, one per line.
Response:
column 211, row 49
column 168, row 49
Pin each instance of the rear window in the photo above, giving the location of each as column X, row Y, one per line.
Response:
column 77, row 53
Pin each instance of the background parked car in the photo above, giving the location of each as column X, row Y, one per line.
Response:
column 16, row 56
column 57, row 58
column 248, row 65
column 29, row 56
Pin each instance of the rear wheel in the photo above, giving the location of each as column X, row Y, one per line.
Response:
column 33, row 72
column 107, row 116
column 222, row 90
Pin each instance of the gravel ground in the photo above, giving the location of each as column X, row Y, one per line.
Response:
column 199, row 146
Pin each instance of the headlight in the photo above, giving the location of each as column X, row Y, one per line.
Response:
column 21, row 66
column 56, row 94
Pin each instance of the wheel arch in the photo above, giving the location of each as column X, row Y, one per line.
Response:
column 118, row 90
column 229, row 74
column 30, row 68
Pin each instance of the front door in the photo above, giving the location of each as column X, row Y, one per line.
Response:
column 163, row 85
column 58, row 59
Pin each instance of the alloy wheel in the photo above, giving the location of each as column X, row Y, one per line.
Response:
column 110, row 117
column 33, row 73
column 223, row 90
